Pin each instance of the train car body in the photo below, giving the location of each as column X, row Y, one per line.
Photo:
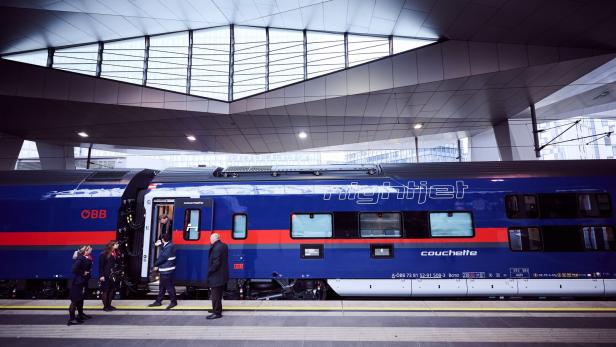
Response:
column 443, row 229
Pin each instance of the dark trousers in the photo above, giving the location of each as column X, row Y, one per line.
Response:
column 166, row 284
column 75, row 304
column 216, row 296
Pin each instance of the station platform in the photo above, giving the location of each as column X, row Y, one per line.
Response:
column 314, row 323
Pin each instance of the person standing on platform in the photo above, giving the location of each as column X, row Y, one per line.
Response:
column 217, row 273
column 82, row 266
column 109, row 274
column 165, row 264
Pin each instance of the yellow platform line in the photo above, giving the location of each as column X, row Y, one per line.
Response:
column 348, row 309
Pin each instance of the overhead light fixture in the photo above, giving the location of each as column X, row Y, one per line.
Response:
column 418, row 126
column 191, row 138
column 302, row 135
column 82, row 134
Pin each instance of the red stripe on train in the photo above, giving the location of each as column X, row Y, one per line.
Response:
column 56, row 238
column 255, row 237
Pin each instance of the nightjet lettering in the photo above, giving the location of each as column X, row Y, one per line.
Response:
column 449, row 253
column 421, row 192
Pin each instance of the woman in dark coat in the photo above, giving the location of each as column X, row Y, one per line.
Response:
column 109, row 274
column 82, row 266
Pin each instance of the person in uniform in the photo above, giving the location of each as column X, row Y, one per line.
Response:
column 217, row 273
column 109, row 274
column 82, row 266
column 165, row 264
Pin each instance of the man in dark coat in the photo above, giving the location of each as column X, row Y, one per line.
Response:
column 217, row 273
column 165, row 264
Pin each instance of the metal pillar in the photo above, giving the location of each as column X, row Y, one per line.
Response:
column 417, row 149
column 231, row 62
column 89, row 157
column 99, row 59
column 50, row 52
column 267, row 58
column 346, row 50
column 146, row 57
column 189, row 65
column 305, row 55
column 533, row 117
column 390, row 39
column 459, row 151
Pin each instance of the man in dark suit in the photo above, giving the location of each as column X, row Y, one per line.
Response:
column 217, row 273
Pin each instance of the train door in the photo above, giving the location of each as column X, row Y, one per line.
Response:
column 193, row 216
column 162, row 222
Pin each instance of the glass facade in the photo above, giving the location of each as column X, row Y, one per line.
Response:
column 260, row 59
column 209, row 74
column 123, row 60
column 168, row 62
column 82, row 59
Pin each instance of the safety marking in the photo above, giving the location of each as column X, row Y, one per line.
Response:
column 347, row 309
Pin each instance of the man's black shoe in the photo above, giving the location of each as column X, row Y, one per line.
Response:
column 172, row 305
column 107, row 309
column 214, row 316
column 155, row 304
column 84, row 316
column 73, row 322
column 112, row 307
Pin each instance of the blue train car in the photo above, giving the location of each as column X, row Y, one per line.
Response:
column 440, row 229
column 46, row 215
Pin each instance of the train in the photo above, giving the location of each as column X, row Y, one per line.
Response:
column 470, row 229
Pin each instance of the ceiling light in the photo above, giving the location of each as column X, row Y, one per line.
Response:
column 82, row 134
column 191, row 138
column 418, row 126
column 302, row 135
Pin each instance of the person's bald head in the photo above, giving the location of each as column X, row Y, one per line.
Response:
column 214, row 237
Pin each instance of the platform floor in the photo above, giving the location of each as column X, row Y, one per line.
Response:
column 322, row 323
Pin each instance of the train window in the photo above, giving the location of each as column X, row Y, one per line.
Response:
column 311, row 251
column 311, row 225
column 588, row 205
column 382, row 251
column 380, row 224
column 240, row 226
column 346, row 225
column 600, row 238
column 451, row 224
column 192, row 220
column 605, row 205
column 558, row 205
column 525, row 239
column 416, row 224
column 521, row 206
column 562, row 238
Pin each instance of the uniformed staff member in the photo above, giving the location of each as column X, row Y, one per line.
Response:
column 82, row 266
column 109, row 274
column 217, row 273
column 165, row 264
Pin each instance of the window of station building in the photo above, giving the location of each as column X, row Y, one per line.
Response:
column 286, row 57
column 82, row 59
column 168, row 62
column 451, row 224
column 366, row 48
column 209, row 74
column 123, row 60
column 561, row 238
column 594, row 205
column 240, row 226
column 346, row 225
column 248, row 61
column 599, row 238
column 380, row 224
column 192, row 219
column 325, row 53
column 416, row 224
column 36, row 58
column 402, row 44
column 525, row 239
column 311, row 225
column 521, row 206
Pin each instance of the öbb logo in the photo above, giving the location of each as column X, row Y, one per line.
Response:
column 93, row 214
